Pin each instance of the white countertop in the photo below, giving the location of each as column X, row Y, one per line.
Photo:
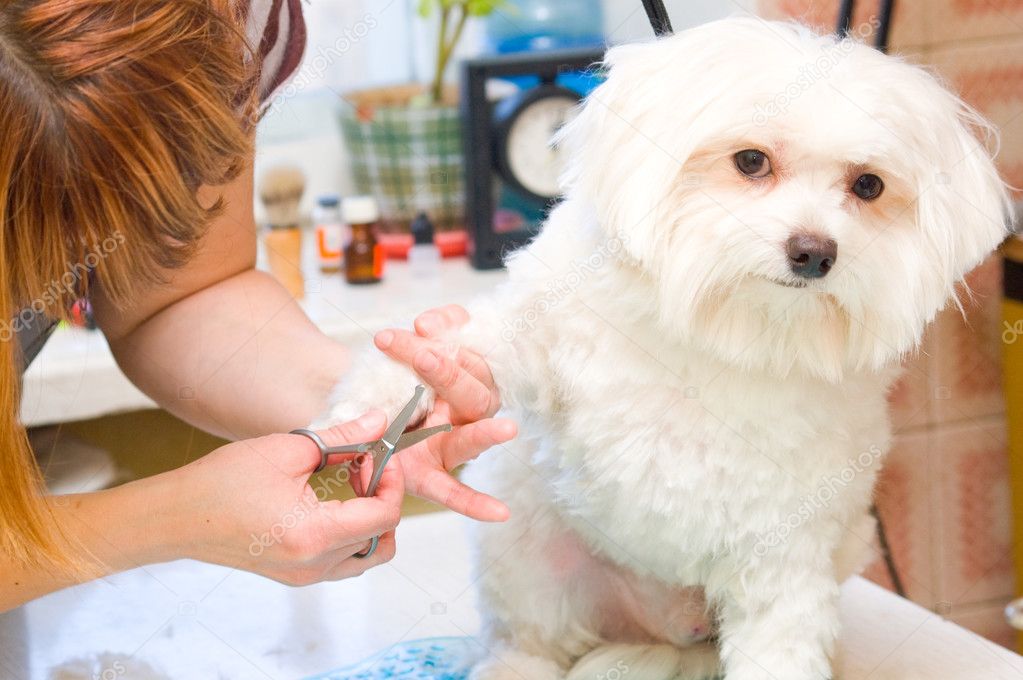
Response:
column 75, row 376
column 195, row 621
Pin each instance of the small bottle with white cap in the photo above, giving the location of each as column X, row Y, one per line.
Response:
column 364, row 258
column 330, row 233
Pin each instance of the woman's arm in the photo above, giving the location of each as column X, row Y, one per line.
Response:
column 222, row 345
column 247, row 505
column 226, row 348
column 239, row 358
column 127, row 542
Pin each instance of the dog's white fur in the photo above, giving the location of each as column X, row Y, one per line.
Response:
column 687, row 419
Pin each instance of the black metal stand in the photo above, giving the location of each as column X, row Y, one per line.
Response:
column 658, row 15
column 884, row 19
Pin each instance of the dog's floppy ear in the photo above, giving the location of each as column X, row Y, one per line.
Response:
column 964, row 207
column 622, row 160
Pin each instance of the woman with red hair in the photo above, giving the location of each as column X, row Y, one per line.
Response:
column 126, row 128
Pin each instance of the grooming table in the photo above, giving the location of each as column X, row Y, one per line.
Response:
column 191, row 620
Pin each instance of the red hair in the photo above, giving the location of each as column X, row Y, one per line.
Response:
column 112, row 114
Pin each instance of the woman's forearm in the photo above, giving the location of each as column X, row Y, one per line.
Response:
column 110, row 531
column 272, row 524
column 239, row 359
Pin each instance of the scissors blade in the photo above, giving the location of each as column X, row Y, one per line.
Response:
column 400, row 421
column 348, row 448
column 412, row 438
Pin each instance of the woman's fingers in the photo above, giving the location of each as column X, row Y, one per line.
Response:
column 451, row 450
column 433, row 322
column 349, row 566
column 440, row 487
column 306, row 458
column 467, row 442
column 367, row 427
column 354, row 521
column 470, row 399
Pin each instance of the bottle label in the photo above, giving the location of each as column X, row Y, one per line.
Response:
column 328, row 242
column 378, row 261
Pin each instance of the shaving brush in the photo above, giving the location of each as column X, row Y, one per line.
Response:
column 281, row 190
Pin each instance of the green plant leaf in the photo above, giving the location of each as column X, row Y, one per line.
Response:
column 426, row 7
column 481, row 8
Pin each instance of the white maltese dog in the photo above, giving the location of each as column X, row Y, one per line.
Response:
column 759, row 222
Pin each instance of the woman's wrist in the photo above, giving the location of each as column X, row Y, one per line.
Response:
column 128, row 526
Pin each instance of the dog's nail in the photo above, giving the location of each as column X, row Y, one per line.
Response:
column 384, row 339
column 427, row 361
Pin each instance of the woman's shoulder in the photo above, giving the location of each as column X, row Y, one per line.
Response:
column 275, row 30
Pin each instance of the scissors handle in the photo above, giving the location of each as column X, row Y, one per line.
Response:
column 327, row 451
column 394, row 439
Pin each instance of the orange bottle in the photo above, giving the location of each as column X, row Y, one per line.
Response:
column 364, row 257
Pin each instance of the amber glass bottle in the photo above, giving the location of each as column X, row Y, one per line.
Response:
column 364, row 258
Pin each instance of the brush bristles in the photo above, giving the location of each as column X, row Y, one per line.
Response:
column 281, row 191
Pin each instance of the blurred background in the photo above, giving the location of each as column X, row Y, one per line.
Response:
column 366, row 115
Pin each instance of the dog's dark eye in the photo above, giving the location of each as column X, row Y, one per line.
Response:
column 868, row 187
column 753, row 163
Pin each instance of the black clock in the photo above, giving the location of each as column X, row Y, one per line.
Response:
column 511, row 166
column 524, row 125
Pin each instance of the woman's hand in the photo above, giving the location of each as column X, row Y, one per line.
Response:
column 249, row 505
column 466, row 397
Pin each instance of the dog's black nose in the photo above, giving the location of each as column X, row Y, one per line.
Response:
column 811, row 256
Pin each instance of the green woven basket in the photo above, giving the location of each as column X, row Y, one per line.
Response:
column 408, row 156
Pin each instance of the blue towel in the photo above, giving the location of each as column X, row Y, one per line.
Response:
column 431, row 659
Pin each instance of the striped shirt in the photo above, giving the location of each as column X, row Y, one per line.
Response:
column 275, row 30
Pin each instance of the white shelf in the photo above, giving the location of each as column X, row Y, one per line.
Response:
column 75, row 376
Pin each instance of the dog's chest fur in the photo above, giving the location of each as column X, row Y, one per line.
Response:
column 657, row 454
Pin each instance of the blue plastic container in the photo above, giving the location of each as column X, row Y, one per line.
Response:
column 537, row 25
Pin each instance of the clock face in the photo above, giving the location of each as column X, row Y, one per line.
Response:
column 534, row 163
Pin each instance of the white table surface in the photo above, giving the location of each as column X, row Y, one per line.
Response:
column 75, row 376
column 190, row 620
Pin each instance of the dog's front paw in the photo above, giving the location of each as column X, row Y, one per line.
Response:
column 374, row 382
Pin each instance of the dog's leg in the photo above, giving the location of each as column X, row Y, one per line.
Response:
column 373, row 382
column 376, row 381
column 780, row 620
column 537, row 595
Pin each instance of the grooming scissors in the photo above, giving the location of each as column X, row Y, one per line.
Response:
column 395, row 439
